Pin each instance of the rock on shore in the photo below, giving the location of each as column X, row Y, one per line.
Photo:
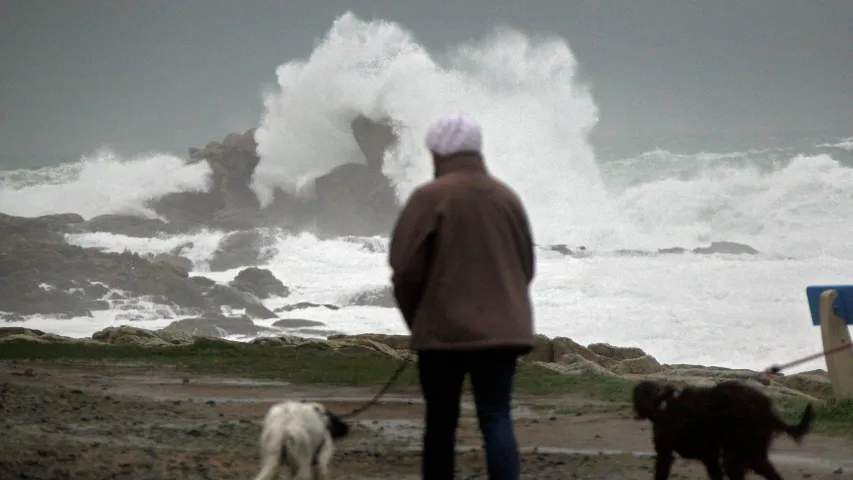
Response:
column 40, row 273
column 560, row 354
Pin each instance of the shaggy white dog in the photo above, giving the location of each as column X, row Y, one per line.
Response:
column 299, row 437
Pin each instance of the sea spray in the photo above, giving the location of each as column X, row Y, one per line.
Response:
column 536, row 118
column 99, row 184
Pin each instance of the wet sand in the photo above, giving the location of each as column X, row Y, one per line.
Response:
column 100, row 421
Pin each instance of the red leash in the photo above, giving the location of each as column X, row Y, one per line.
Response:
column 778, row 368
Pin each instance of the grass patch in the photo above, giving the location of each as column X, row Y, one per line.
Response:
column 359, row 366
column 833, row 418
column 309, row 364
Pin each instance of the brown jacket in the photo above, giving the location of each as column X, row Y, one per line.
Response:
column 462, row 260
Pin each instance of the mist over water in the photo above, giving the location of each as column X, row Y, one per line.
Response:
column 789, row 199
column 98, row 184
column 521, row 89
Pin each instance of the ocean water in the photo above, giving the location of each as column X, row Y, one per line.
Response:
column 788, row 195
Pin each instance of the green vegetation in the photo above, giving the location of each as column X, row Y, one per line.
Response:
column 315, row 363
column 309, row 363
column 835, row 417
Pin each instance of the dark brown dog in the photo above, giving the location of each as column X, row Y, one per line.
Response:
column 730, row 420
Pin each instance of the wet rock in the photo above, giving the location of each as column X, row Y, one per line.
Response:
column 641, row 365
column 11, row 317
column 215, row 325
column 229, row 296
column 574, row 364
column 543, row 350
column 565, row 250
column 41, row 276
column 731, row 248
column 297, row 323
column 176, row 261
column 616, row 353
column 180, row 248
column 372, row 244
column 96, row 290
column 203, row 282
column 566, row 346
column 304, row 305
column 46, row 229
column 373, row 345
column 260, row 282
column 816, row 384
column 7, row 331
column 672, row 250
column 22, row 337
column 396, row 342
column 241, row 249
column 278, row 341
column 125, row 335
column 375, row 297
column 130, row 225
column 353, row 199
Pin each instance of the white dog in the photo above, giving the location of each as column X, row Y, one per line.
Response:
column 299, row 436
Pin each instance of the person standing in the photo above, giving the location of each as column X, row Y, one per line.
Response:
column 462, row 261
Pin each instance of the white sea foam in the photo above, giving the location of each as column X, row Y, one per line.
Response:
column 98, row 184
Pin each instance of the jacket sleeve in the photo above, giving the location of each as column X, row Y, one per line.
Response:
column 525, row 244
column 530, row 252
column 410, row 253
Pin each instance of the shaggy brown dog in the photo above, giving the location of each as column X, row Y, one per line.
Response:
column 703, row 423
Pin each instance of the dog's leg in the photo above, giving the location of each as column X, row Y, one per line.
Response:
column 734, row 466
column 712, row 466
column 324, row 458
column 269, row 467
column 763, row 467
column 663, row 465
column 321, row 472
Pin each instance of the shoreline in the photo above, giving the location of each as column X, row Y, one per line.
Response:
column 197, row 402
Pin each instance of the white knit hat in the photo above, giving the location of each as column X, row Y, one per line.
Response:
column 454, row 133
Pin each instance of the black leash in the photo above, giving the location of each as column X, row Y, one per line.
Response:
column 775, row 369
column 403, row 364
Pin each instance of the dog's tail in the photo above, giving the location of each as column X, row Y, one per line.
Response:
column 797, row 432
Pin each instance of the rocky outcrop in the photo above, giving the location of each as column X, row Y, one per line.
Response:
column 232, row 164
column 228, row 296
column 130, row 225
column 565, row 356
column 572, row 359
column 240, row 249
column 47, row 229
column 376, row 297
column 217, row 325
column 352, row 199
column 304, row 305
column 176, row 261
column 727, row 248
column 260, row 282
column 730, row 248
column 40, row 273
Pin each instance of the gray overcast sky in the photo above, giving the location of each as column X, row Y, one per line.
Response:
column 168, row 74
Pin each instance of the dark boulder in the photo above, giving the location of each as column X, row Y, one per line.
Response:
column 260, row 282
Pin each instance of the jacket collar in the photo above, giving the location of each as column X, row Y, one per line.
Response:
column 460, row 162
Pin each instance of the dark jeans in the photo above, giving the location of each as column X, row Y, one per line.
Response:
column 442, row 374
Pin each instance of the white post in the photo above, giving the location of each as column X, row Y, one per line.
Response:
column 835, row 333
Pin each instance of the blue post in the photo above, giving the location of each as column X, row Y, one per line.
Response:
column 842, row 306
